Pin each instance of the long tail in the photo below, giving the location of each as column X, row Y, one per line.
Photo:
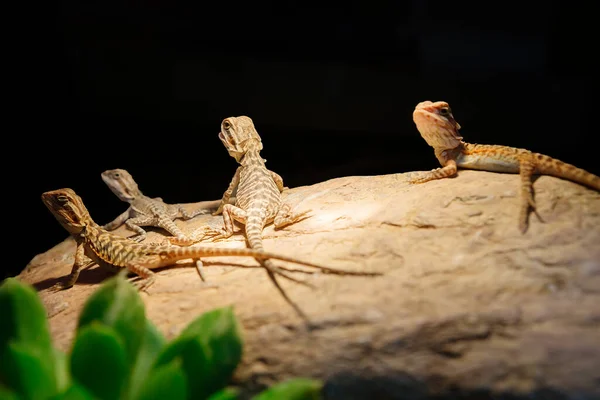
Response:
column 550, row 166
column 256, row 251
column 254, row 237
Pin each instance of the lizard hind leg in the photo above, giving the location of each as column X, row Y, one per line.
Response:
column 526, row 171
column 230, row 213
column 286, row 216
column 135, row 224
column 141, row 267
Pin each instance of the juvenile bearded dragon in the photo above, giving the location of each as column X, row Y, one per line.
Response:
column 95, row 244
column 143, row 210
column 258, row 197
column 438, row 127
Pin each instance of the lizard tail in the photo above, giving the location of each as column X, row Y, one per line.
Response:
column 550, row 166
column 254, row 227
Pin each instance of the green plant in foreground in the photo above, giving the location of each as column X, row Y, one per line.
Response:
column 118, row 354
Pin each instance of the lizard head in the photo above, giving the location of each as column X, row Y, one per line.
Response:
column 437, row 125
column 121, row 183
column 68, row 208
column 239, row 135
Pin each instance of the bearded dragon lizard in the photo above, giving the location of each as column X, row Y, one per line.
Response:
column 258, row 197
column 438, row 127
column 95, row 244
column 143, row 210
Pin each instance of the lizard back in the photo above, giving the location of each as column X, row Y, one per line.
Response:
column 257, row 193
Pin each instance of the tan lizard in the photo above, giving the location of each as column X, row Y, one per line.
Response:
column 143, row 210
column 438, row 127
column 258, row 197
column 95, row 244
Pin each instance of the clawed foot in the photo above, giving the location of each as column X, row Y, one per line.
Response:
column 145, row 283
column 137, row 238
column 286, row 217
column 214, row 235
column 187, row 216
column 57, row 287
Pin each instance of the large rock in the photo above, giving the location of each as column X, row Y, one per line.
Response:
column 467, row 304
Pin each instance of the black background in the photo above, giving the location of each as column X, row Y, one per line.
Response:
column 330, row 87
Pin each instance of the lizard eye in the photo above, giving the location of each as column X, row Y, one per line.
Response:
column 117, row 175
column 226, row 124
column 445, row 111
column 63, row 199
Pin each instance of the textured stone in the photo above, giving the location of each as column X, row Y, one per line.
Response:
column 467, row 304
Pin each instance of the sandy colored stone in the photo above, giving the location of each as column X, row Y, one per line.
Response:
column 466, row 301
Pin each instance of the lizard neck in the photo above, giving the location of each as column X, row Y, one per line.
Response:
column 445, row 154
column 252, row 156
column 81, row 228
column 131, row 195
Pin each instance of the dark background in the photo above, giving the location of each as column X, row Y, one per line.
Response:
column 331, row 89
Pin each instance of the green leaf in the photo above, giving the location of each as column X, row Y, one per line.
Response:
column 211, row 348
column 293, row 389
column 117, row 304
column 165, row 382
column 27, row 371
column 24, row 315
column 75, row 392
column 99, row 361
column 152, row 343
column 7, row 394
column 24, row 325
column 61, row 369
column 225, row 394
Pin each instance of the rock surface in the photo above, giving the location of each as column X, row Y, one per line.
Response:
column 467, row 306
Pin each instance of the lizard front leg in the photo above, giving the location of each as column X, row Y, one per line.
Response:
column 278, row 180
column 227, row 195
column 230, row 213
column 446, row 171
column 285, row 216
column 120, row 220
column 185, row 215
column 169, row 226
column 135, row 225
column 81, row 261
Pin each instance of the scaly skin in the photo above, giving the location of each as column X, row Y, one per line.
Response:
column 143, row 210
column 95, row 244
column 258, row 196
column 438, row 127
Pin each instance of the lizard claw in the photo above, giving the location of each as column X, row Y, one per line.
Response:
column 144, row 284
column 214, row 235
column 57, row 287
column 218, row 211
column 137, row 238
column 286, row 218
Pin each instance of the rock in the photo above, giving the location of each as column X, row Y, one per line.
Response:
column 467, row 304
